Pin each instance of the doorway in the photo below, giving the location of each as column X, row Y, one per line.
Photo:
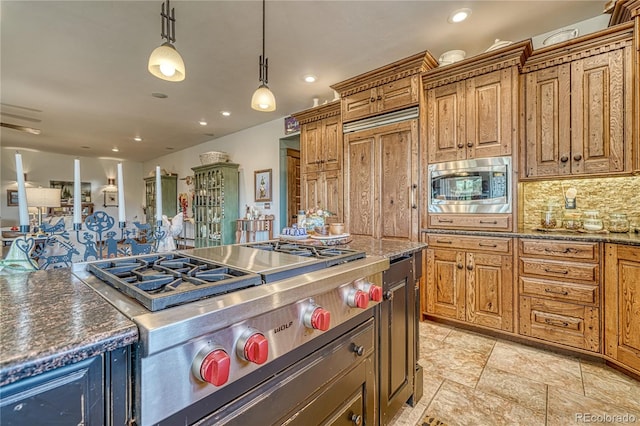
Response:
column 289, row 180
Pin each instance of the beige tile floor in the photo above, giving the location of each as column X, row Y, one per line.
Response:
column 471, row 379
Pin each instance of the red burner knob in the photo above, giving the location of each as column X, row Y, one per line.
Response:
column 358, row 299
column 375, row 293
column 215, row 367
column 320, row 319
column 255, row 348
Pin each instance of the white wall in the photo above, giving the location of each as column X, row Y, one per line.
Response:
column 255, row 148
column 42, row 167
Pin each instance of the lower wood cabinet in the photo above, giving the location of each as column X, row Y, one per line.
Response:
column 470, row 279
column 622, row 305
column 560, row 292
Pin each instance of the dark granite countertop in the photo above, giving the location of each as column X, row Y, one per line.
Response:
column 630, row 238
column 49, row 319
column 385, row 248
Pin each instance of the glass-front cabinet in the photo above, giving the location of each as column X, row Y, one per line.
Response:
column 215, row 204
column 169, row 196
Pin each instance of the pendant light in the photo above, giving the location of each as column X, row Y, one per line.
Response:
column 263, row 99
column 165, row 62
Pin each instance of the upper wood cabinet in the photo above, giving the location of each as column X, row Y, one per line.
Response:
column 389, row 88
column 321, row 151
column 578, row 106
column 472, row 105
column 381, row 181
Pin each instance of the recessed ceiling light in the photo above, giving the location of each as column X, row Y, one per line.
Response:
column 170, row 148
column 209, row 134
column 202, row 122
column 459, row 15
column 85, row 147
column 310, row 78
column 137, row 139
column 115, row 149
column 159, row 95
column 225, row 113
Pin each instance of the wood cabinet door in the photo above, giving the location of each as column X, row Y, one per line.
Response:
column 622, row 304
column 397, row 94
column 360, row 195
column 311, row 190
column 446, row 123
column 310, row 137
column 332, row 193
column 490, row 119
column 397, row 174
column 489, row 290
column 358, row 105
column 446, row 283
column 330, row 147
column 601, row 109
column 547, row 116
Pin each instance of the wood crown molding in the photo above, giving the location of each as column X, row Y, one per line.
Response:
column 318, row 113
column 603, row 41
column 513, row 55
column 406, row 67
column 623, row 11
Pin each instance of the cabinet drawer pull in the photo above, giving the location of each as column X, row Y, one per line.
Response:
column 556, row 271
column 379, row 97
column 373, row 99
column 487, row 245
column 469, row 144
column 460, row 145
column 563, row 292
column 445, row 220
column 470, row 267
column 564, row 158
column 444, row 242
column 460, row 265
column 552, row 322
column 489, row 222
column 577, row 157
column 565, row 251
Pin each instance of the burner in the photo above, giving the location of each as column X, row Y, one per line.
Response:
column 162, row 281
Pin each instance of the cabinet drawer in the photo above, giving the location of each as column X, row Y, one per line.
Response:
column 498, row 245
column 586, row 252
column 586, row 272
column 458, row 221
column 565, row 323
column 568, row 292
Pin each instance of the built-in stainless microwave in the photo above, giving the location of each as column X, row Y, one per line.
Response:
column 481, row 185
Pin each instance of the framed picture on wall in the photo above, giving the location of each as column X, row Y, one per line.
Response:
column 12, row 197
column 111, row 199
column 262, row 184
column 66, row 190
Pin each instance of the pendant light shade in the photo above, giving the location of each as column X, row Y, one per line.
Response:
column 263, row 99
column 165, row 62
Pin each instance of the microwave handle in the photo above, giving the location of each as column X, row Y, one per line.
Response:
column 412, row 195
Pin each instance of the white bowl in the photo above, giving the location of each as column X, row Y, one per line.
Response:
column 561, row 36
column 451, row 56
column 499, row 44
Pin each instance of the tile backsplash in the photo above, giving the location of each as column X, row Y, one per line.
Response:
column 615, row 194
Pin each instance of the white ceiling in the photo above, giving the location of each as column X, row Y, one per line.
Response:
column 77, row 70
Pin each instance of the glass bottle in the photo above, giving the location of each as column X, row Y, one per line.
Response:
column 572, row 219
column 549, row 216
column 618, row 222
column 592, row 221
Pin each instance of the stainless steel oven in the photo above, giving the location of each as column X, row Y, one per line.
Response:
column 481, row 185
